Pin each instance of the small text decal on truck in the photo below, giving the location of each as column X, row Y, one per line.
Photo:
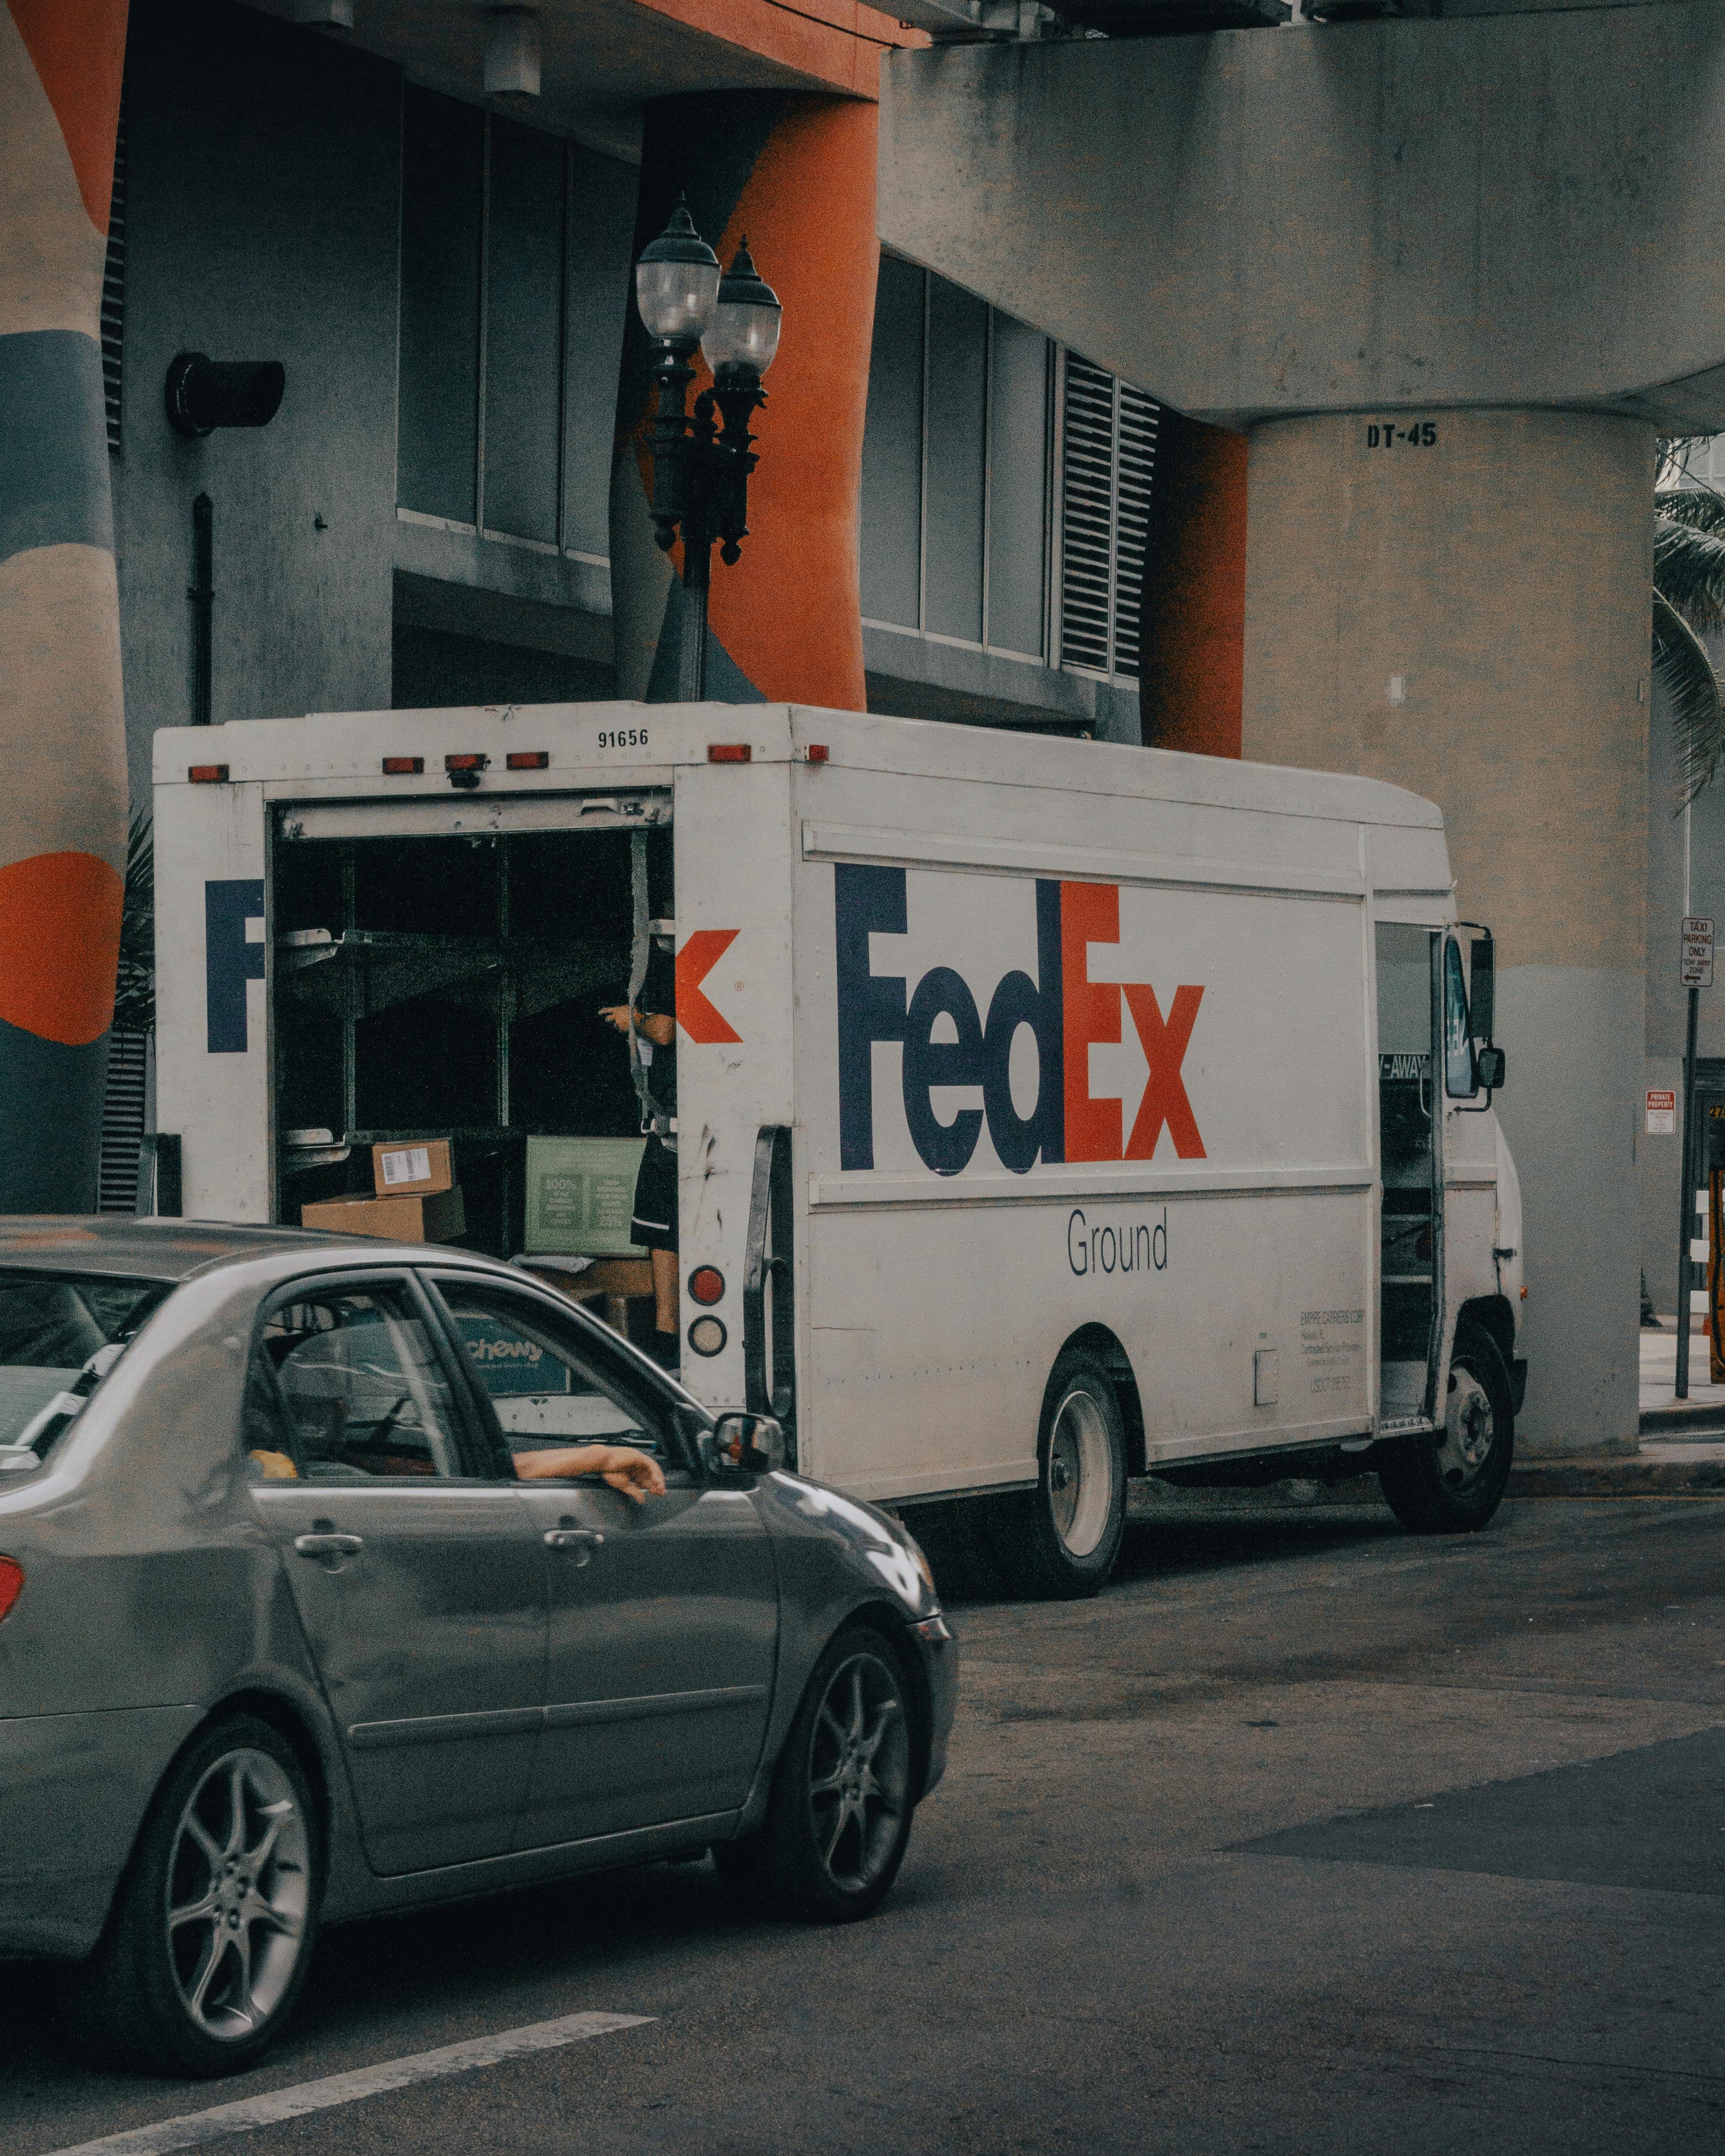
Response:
column 1066, row 1013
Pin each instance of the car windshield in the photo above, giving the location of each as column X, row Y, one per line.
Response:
column 60, row 1334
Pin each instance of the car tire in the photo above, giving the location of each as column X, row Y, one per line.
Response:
column 839, row 1815
column 1452, row 1481
column 210, row 1937
column 1059, row 1541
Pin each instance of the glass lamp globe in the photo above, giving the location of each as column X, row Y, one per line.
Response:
column 743, row 335
column 677, row 281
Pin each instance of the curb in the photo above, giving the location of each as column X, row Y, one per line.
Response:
column 1620, row 1478
column 1691, row 1422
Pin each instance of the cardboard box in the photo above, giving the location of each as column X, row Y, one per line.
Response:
column 412, row 1168
column 436, row 1218
column 581, row 1196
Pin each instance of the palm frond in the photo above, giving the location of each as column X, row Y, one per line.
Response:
column 1689, row 571
column 135, row 993
column 1686, row 671
column 1702, row 506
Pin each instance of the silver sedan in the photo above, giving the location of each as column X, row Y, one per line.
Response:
column 339, row 1577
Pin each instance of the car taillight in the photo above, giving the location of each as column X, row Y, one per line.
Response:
column 706, row 1284
column 12, row 1583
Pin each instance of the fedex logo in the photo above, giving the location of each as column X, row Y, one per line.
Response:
column 1065, row 1011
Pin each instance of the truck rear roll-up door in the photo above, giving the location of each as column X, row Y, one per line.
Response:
column 469, row 815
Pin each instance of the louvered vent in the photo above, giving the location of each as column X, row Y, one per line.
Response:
column 114, row 291
column 1110, row 452
column 122, row 1123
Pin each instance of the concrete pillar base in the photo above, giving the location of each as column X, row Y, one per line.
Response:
column 1458, row 602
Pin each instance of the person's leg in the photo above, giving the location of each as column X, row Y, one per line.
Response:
column 665, row 1296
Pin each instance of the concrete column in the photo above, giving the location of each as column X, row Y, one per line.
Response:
column 62, row 723
column 1466, row 614
column 795, row 177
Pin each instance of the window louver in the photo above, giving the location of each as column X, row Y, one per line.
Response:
column 122, row 1123
column 113, row 291
column 1109, row 451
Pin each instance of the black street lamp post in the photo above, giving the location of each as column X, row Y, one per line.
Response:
column 701, row 471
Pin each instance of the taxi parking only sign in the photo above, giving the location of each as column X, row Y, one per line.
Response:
column 1697, row 953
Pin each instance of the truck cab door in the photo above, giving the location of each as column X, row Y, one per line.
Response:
column 1408, row 961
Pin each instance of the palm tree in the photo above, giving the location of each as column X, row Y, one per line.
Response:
column 135, row 993
column 1689, row 605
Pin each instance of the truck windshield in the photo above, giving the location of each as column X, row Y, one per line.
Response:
column 60, row 1334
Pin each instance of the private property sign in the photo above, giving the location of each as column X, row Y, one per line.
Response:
column 1662, row 1111
column 1698, row 949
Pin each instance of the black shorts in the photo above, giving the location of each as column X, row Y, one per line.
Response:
column 654, row 1224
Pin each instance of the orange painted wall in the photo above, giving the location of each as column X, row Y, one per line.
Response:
column 790, row 612
column 1192, row 682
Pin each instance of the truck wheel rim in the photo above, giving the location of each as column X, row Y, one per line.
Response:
column 859, row 1772
column 239, row 1887
column 1080, row 1473
column 1470, row 1430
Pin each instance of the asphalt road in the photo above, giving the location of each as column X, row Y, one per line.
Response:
column 1307, row 1837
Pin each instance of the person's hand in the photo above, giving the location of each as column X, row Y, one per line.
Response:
column 615, row 1014
column 636, row 1474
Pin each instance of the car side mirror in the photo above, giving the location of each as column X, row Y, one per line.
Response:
column 1492, row 1066
column 747, row 1443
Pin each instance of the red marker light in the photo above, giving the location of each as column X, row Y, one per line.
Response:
column 403, row 767
column 706, row 1285
column 465, row 762
column 208, row 774
column 527, row 759
column 727, row 752
column 12, row 1583
column 816, row 752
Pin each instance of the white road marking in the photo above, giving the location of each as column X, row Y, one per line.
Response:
column 195, row 2128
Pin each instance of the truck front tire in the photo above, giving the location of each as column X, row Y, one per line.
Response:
column 1450, row 1481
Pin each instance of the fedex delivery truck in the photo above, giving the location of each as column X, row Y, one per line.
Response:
column 1047, row 1114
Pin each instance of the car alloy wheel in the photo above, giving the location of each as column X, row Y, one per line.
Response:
column 210, row 1936
column 859, row 1772
column 238, row 1880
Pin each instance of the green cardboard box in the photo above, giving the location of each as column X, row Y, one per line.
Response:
column 581, row 1196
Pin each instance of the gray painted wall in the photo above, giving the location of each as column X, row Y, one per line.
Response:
column 262, row 220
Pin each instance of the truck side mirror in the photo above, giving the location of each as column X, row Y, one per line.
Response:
column 1492, row 1064
column 747, row 1443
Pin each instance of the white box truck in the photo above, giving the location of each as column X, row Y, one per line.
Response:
column 1048, row 1113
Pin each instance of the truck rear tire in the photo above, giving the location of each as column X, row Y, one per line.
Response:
column 1059, row 1541
column 1452, row 1481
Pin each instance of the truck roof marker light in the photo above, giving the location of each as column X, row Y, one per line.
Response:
column 12, row 1583
column 208, row 774
column 403, row 767
column 527, row 759
column 465, row 770
column 728, row 752
column 817, row 752
column 706, row 1285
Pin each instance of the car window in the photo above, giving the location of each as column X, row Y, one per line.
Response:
column 60, row 1334
column 546, row 1389
column 346, row 1386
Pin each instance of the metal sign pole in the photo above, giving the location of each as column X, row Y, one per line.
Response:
column 1696, row 965
column 1685, row 1183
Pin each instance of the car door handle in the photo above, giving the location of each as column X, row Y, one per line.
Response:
column 582, row 1541
column 329, row 1545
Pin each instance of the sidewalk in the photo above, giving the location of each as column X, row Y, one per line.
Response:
column 1664, row 1415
